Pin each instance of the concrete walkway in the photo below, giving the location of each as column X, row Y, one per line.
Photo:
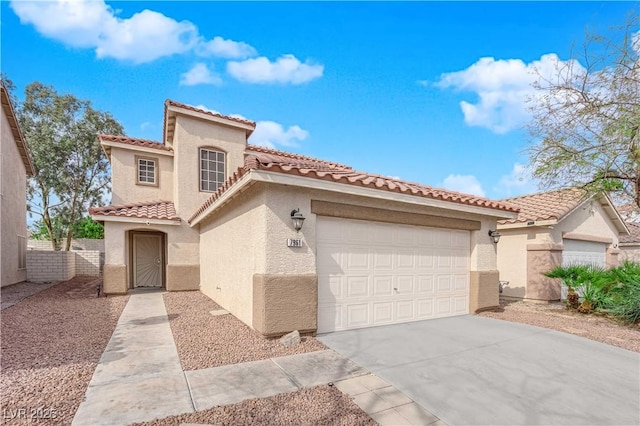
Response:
column 139, row 376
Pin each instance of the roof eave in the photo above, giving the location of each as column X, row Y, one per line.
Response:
column 311, row 183
column 17, row 132
column 122, row 145
column 528, row 224
column 126, row 219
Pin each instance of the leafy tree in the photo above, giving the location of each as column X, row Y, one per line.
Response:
column 71, row 168
column 87, row 228
column 84, row 228
column 586, row 117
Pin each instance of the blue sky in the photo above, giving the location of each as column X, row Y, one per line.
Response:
column 424, row 91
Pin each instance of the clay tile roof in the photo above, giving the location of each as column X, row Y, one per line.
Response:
column 282, row 157
column 148, row 210
column 552, row 205
column 169, row 102
column 634, row 234
column 319, row 169
column 135, row 141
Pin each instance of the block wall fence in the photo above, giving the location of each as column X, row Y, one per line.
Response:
column 49, row 265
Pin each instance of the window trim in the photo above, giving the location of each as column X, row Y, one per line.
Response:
column 156, row 174
column 224, row 171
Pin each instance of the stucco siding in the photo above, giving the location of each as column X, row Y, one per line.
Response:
column 589, row 219
column 124, row 175
column 512, row 261
column 190, row 135
column 232, row 249
column 13, row 202
column 182, row 247
column 282, row 199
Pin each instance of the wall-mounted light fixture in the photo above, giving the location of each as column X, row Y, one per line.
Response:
column 298, row 219
column 495, row 235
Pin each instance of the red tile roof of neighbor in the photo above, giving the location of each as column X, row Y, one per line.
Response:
column 546, row 205
column 149, row 210
column 634, row 234
column 259, row 158
column 134, row 141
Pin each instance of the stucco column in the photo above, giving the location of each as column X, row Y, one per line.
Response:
column 613, row 258
column 542, row 258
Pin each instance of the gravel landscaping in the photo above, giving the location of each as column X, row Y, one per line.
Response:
column 205, row 341
column 51, row 344
column 556, row 317
column 320, row 405
column 14, row 293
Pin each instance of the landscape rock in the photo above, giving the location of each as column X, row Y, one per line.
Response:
column 290, row 339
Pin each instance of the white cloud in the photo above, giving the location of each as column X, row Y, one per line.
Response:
column 143, row 37
column 199, row 74
column 286, row 69
column 271, row 134
column 229, row 49
column 517, row 182
column 503, row 88
column 467, row 184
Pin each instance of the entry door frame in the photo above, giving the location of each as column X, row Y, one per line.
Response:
column 132, row 260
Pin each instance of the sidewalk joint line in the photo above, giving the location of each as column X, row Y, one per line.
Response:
column 288, row 375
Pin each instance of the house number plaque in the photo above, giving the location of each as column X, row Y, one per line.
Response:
column 294, row 242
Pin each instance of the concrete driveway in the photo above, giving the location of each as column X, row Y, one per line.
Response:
column 471, row 370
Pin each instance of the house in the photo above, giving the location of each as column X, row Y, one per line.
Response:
column 630, row 244
column 15, row 166
column 554, row 228
column 284, row 241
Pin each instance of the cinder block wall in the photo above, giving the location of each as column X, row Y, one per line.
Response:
column 45, row 265
column 79, row 244
column 49, row 265
column 88, row 262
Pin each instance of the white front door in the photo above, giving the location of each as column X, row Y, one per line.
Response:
column 372, row 273
column 147, row 260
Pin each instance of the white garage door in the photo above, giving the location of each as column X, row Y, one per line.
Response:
column 583, row 252
column 372, row 273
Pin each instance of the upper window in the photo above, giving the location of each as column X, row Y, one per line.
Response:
column 212, row 169
column 147, row 171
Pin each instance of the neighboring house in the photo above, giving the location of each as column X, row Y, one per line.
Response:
column 554, row 228
column 15, row 165
column 205, row 210
column 630, row 244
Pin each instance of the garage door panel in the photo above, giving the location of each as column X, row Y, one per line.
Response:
column 382, row 286
column 357, row 259
column 460, row 283
column 424, row 308
column 402, row 273
column 382, row 312
column 577, row 252
column 357, row 315
column 329, row 288
column 426, row 260
column 444, row 283
column 443, row 305
column 460, row 305
column 357, row 286
column 425, row 284
column 382, row 259
column 404, row 284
